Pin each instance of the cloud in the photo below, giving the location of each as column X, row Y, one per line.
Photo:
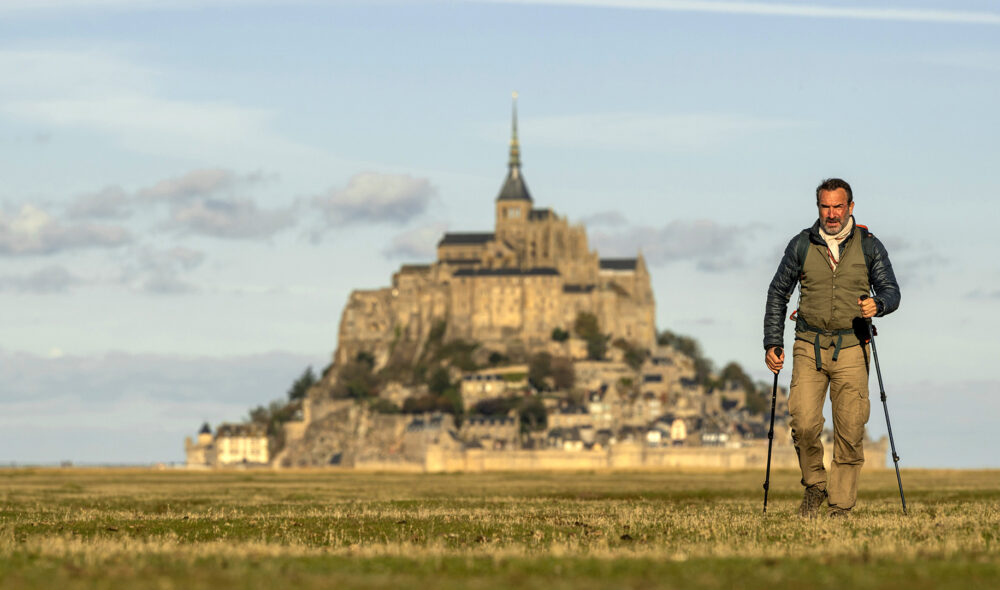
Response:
column 237, row 219
column 371, row 197
column 416, row 244
column 866, row 12
column 983, row 294
column 111, row 202
column 103, row 94
column 51, row 279
column 604, row 218
column 650, row 132
column 711, row 246
column 781, row 9
column 161, row 272
column 118, row 407
column 197, row 183
column 32, row 231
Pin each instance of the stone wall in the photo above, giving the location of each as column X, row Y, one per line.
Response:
column 623, row 456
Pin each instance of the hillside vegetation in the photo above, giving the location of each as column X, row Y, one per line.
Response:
column 434, row 377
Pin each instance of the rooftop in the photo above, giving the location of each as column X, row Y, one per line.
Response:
column 466, row 238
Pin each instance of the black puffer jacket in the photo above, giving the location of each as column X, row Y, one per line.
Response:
column 880, row 275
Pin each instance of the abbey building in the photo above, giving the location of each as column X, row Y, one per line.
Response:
column 507, row 289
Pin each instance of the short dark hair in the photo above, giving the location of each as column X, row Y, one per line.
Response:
column 832, row 184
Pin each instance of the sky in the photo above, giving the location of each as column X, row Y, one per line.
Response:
column 190, row 190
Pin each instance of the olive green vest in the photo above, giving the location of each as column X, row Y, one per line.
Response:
column 828, row 303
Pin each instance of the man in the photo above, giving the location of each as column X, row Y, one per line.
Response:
column 835, row 263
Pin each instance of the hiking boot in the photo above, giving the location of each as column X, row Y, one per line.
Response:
column 839, row 513
column 811, row 501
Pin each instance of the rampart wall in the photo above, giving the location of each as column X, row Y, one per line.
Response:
column 623, row 456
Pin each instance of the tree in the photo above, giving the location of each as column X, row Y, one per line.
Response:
column 684, row 344
column 634, row 356
column 383, row 406
column 734, row 373
column 497, row 406
column 439, row 382
column 588, row 328
column 690, row 347
column 560, row 335
column 301, row 385
column 356, row 379
column 498, row 358
column 563, row 373
column 586, row 325
column 533, row 415
column 540, row 369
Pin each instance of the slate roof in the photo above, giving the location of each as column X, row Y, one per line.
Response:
column 466, row 238
column 505, row 272
column 414, row 268
column 619, row 263
column 514, row 188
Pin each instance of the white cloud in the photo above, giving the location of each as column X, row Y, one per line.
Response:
column 416, row 244
column 238, row 219
column 32, row 231
column 197, row 183
column 104, row 94
column 803, row 10
column 107, row 408
column 371, row 197
column 711, row 246
column 983, row 294
column 35, row 74
column 111, row 202
column 51, row 279
column 944, row 15
column 153, row 125
column 162, row 272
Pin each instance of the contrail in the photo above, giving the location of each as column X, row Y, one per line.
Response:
column 774, row 9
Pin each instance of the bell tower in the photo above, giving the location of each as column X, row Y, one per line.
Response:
column 514, row 202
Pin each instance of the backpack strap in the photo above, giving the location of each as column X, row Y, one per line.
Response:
column 802, row 248
column 867, row 246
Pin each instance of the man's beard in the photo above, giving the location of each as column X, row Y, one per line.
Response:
column 832, row 229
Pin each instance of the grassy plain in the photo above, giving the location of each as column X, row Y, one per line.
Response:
column 88, row 528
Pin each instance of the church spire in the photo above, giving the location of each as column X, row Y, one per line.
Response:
column 513, row 188
column 515, row 148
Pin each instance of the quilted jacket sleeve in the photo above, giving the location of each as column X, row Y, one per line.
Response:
column 778, row 294
column 883, row 280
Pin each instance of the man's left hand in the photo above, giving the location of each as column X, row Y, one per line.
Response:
column 868, row 307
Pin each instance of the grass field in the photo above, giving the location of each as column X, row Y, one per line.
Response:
column 145, row 529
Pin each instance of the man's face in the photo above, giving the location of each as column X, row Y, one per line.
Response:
column 834, row 210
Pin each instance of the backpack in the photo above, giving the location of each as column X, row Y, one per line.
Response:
column 867, row 246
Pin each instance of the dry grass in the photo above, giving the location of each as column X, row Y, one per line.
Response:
column 113, row 528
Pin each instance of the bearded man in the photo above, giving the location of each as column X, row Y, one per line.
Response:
column 835, row 262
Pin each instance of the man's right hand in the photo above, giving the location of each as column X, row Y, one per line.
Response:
column 773, row 361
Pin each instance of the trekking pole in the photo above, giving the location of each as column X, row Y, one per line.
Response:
column 770, row 433
column 885, row 406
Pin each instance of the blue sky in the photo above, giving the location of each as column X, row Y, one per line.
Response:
column 190, row 190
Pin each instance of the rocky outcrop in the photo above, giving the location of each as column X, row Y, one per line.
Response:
column 349, row 434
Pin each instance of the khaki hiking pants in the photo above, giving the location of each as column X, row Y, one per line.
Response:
column 847, row 378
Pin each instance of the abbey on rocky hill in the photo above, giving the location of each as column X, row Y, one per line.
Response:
column 507, row 289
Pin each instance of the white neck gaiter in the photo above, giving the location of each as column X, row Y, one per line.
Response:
column 833, row 240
